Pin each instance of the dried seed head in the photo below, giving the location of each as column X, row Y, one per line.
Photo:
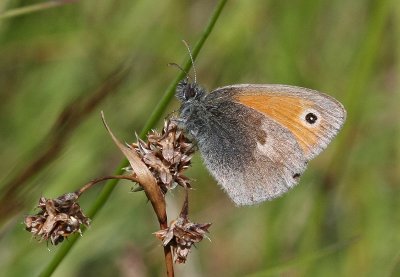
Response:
column 167, row 155
column 181, row 235
column 57, row 219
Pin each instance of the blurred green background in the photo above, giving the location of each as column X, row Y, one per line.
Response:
column 62, row 66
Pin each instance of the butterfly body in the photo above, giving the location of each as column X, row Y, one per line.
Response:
column 256, row 140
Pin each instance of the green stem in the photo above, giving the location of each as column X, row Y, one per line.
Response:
column 361, row 72
column 153, row 119
column 34, row 8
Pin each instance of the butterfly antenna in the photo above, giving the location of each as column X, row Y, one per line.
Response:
column 191, row 58
column 179, row 67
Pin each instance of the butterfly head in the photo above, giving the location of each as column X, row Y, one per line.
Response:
column 187, row 91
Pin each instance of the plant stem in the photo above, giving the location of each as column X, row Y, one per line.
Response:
column 152, row 190
column 155, row 116
column 34, row 8
column 98, row 180
column 359, row 75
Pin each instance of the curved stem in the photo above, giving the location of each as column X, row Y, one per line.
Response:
column 98, row 180
column 155, row 116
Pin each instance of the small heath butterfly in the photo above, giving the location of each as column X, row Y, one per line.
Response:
column 256, row 140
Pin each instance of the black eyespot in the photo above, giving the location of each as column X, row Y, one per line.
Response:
column 296, row 176
column 311, row 118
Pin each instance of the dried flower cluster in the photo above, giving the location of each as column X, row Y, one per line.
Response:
column 182, row 234
column 157, row 163
column 57, row 219
column 167, row 155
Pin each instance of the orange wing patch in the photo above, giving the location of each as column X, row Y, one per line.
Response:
column 287, row 111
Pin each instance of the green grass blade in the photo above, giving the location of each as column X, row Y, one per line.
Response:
column 33, row 8
column 155, row 116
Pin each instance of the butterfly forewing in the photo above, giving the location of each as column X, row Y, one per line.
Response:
column 312, row 117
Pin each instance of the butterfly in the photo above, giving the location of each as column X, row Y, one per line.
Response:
column 256, row 140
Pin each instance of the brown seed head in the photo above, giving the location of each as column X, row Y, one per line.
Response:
column 181, row 236
column 57, row 218
column 167, row 155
